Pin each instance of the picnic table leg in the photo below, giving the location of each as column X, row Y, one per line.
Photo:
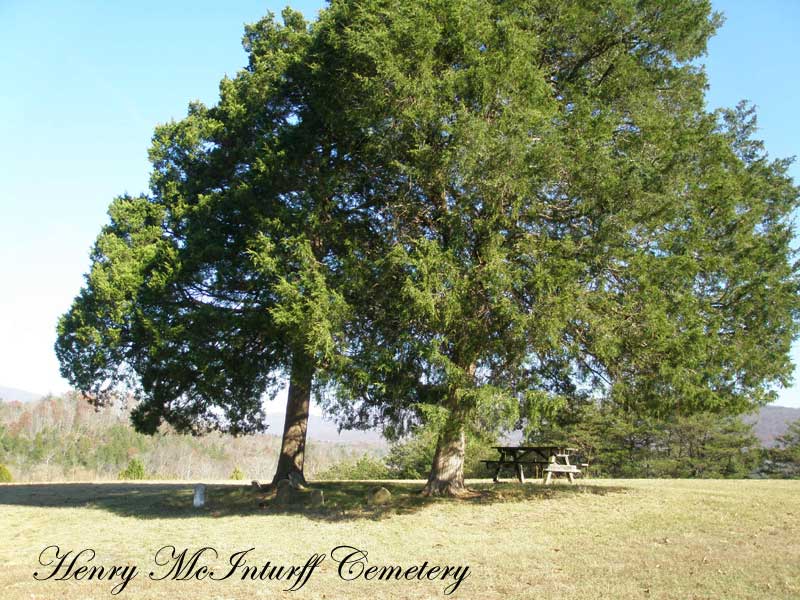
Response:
column 496, row 477
column 550, row 461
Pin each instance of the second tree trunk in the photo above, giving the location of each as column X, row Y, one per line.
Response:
column 447, row 471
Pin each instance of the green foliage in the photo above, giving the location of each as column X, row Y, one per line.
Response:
column 618, row 443
column 490, row 208
column 559, row 213
column 230, row 271
column 784, row 459
column 134, row 470
column 5, row 474
column 117, row 444
column 411, row 457
column 789, row 442
column 237, row 474
column 365, row 467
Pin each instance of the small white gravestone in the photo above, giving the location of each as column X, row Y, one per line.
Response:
column 199, row 495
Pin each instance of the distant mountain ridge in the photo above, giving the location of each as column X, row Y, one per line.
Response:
column 319, row 428
column 10, row 394
column 770, row 422
column 323, row 430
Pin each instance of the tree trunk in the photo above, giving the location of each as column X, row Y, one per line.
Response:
column 447, row 471
column 293, row 446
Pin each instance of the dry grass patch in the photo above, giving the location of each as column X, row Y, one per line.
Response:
column 602, row 539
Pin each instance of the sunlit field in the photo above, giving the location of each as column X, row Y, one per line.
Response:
column 600, row 539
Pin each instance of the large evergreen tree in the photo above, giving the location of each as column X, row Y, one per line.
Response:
column 204, row 293
column 563, row 217
column 455, row 211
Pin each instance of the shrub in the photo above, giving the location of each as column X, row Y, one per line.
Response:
column 134, row 470
column 366, row 467
column 237, row 474
column 411, row 458
column 5, row 474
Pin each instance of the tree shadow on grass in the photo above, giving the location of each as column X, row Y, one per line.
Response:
column 344, row 500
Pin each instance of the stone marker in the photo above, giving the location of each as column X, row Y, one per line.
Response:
column 379, row 496
column 199, row 495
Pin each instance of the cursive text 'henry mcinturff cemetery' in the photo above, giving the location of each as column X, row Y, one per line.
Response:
column 171, row 563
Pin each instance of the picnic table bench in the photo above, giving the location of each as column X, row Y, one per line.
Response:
column 553, row 460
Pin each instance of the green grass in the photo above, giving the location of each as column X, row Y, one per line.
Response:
column 601, row 539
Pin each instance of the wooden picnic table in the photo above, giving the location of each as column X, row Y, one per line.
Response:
column 553, row 460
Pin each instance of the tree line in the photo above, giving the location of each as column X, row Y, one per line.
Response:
column 462, row 214
column 66, row 439
column 609, row 443
column 58, row 439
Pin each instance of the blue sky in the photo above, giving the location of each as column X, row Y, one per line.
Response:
column 84, row 83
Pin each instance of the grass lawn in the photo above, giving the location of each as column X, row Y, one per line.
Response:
column 601, row 539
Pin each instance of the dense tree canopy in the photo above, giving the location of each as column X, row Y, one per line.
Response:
column 225, row 276
column 453, row 211
column 565, row 217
